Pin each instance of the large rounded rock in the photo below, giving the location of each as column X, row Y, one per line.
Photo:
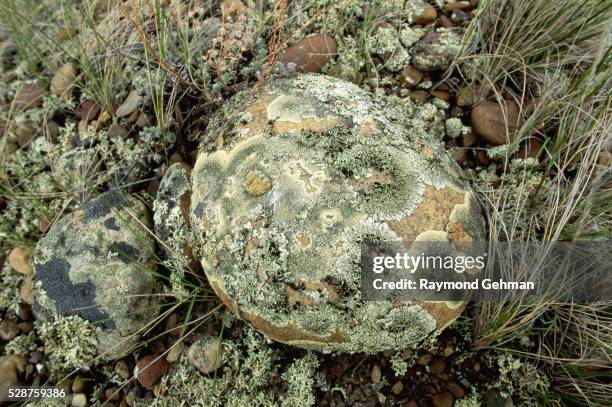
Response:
column 290, row 180
column 97, row 263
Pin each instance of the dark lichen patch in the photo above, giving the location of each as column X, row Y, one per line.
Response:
column 111, row 224
column 55, row 280
column 103, row 205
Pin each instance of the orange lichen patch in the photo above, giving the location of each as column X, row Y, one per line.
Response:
column 440, row 311
column 298, row 170
column 377, row 178
column 428, row 152
column 257, row 184
column 309, row 123
column 303, row 241
column 432, row 213
column 286, row 334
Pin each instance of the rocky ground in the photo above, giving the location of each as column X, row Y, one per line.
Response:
column 84, row 114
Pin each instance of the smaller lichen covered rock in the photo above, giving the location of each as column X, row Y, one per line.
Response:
column 97, row 263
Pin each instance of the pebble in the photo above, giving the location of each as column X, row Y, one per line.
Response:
column 489, row 121
column 441, row 94
column 62, row 81
column 459, row 155
column 26, row 133
column 10, row 368
column 419, row 96
column 481, row 157
column 149, row 370
column 78, row 400
column 455, row 389
column 443, row 399
column 310, row 54
column 122, row 369
column 19, row 259
column 206, row 354
column 397, row 388
column 427, row 16
column 175, row 352
column 446, row 22
column 469, row 139
column 79, row 384
column 52, row 130
column 25, row 312
column 458, row 5
column 424, row 359
column 410, row 76
column 8, row 330
column 130, row 104
column 89, row 110
column 437, row 366
column 468, row 96
column 375, row 374
column 25, row 327
column 26, row 291
column 116, row 131
column 143, row 120
column 29, row 95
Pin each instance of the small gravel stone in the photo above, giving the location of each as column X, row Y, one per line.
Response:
column 494, row 122
column 455, row 389
column 8, row 329
column 130, row 104
column 310, row 54
column 122, row 369
column 424, row 359
column 175, row 352
column 397, row 387
column 149, row 370
column 79, row 400
column 19, row 259
column 206, row 354
column 63, row 79
column 443, row 399
column 89, row 110
column 410, row 76
column 26, row 291
column 29, row 95
column 427, row 16
column 375, row 374
column 437, row 366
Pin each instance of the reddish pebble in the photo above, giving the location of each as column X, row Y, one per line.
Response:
column 89, row 110
column 310, row 54
column 150, row 369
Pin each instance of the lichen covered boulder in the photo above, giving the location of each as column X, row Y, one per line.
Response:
column 290, row 180
column 97, row 263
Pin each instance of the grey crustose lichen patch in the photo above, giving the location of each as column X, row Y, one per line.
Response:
column 97, row 263
column 290, row 180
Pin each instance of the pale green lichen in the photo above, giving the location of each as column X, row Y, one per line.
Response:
column 519, row 379
column 71, row 343
column 250, row 365
column 9, row 287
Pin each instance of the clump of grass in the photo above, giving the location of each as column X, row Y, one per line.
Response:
column 552, row 58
